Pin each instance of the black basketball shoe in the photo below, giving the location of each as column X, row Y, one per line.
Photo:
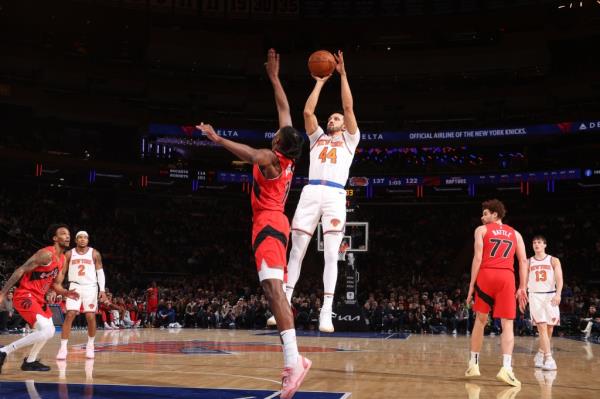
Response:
column 34, row 366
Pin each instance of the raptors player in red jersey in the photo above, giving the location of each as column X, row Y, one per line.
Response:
column 493, row 284
column 35, row 277
column 272, row 172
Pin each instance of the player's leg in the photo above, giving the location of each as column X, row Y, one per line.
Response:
column 304, row 223
column 544, row 344
column 272, row 252
column 332, row 241
column 483, row 302
column 91, row 323
column 507, row 343
column 45, row 326
column 38, row 316
column 65, row 333
column 537, row 317
column 476, row 343
column 334, row 221
column 545, row 331
column 550, row 329
column 506, row 309
column 552, row 317
column 89, row 300
column 73, row 306
column 43, row 331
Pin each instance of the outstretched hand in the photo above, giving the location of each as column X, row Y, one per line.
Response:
column 272, row 64
column 209, row 132
column 340, row 67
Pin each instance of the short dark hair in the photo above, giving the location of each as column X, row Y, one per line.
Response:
column 290, row 142
column 494, row 205
column 51, row 232
column 539, row 237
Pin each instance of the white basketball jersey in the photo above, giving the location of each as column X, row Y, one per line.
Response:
column 331, row 156
column 541, row 275
column 82, row 268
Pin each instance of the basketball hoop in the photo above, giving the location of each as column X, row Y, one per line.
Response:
column 342, row 252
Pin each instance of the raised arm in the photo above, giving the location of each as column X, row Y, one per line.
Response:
column 523, row 271
column 261, row 157
column 310, row 120
column 281, row 101
column 476, row 263
column 347, row 101
column 558, row 276
column 40, row 258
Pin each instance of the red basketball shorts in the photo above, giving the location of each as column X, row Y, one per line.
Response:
column 270, row 233
column 29, row 307
column 495, row 289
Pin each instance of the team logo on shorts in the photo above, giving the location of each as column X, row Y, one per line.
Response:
column 91, row 305
column 26, row 303
column 335, row 222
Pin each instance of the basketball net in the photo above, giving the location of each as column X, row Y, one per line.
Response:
column 342, row 251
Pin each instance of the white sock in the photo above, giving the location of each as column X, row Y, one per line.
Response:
column 63, row 344
column 35, row 351
column 91, row 341
column 290, row 347
column 327, row 302
column 547, row 356
column 331, row 247
column 474, row 357
column 507, row 362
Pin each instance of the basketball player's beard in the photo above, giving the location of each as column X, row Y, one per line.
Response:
column 333, row 130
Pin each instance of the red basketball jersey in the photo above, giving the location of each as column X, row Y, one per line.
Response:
column 271, row 194
column 153, row 297
column 499, row 246
column 38, row 281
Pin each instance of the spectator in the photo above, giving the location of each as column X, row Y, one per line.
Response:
column 591, row 321
column 166, row 316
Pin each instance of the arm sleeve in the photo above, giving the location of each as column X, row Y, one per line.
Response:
column 101, row 279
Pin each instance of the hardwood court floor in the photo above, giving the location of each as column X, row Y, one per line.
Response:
column 421, row 366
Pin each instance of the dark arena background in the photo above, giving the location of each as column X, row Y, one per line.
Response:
column 457, row 102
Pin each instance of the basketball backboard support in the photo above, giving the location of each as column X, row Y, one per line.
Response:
column 356, row 235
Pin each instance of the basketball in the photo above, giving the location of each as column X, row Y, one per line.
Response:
column 321, row 63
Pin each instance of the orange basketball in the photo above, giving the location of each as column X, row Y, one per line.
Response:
column 321, row 63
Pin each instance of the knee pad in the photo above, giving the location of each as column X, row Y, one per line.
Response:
column 45, row 326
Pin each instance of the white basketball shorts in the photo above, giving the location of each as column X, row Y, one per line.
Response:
column 542, row 310
column 88, row 298
column 320, row 202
